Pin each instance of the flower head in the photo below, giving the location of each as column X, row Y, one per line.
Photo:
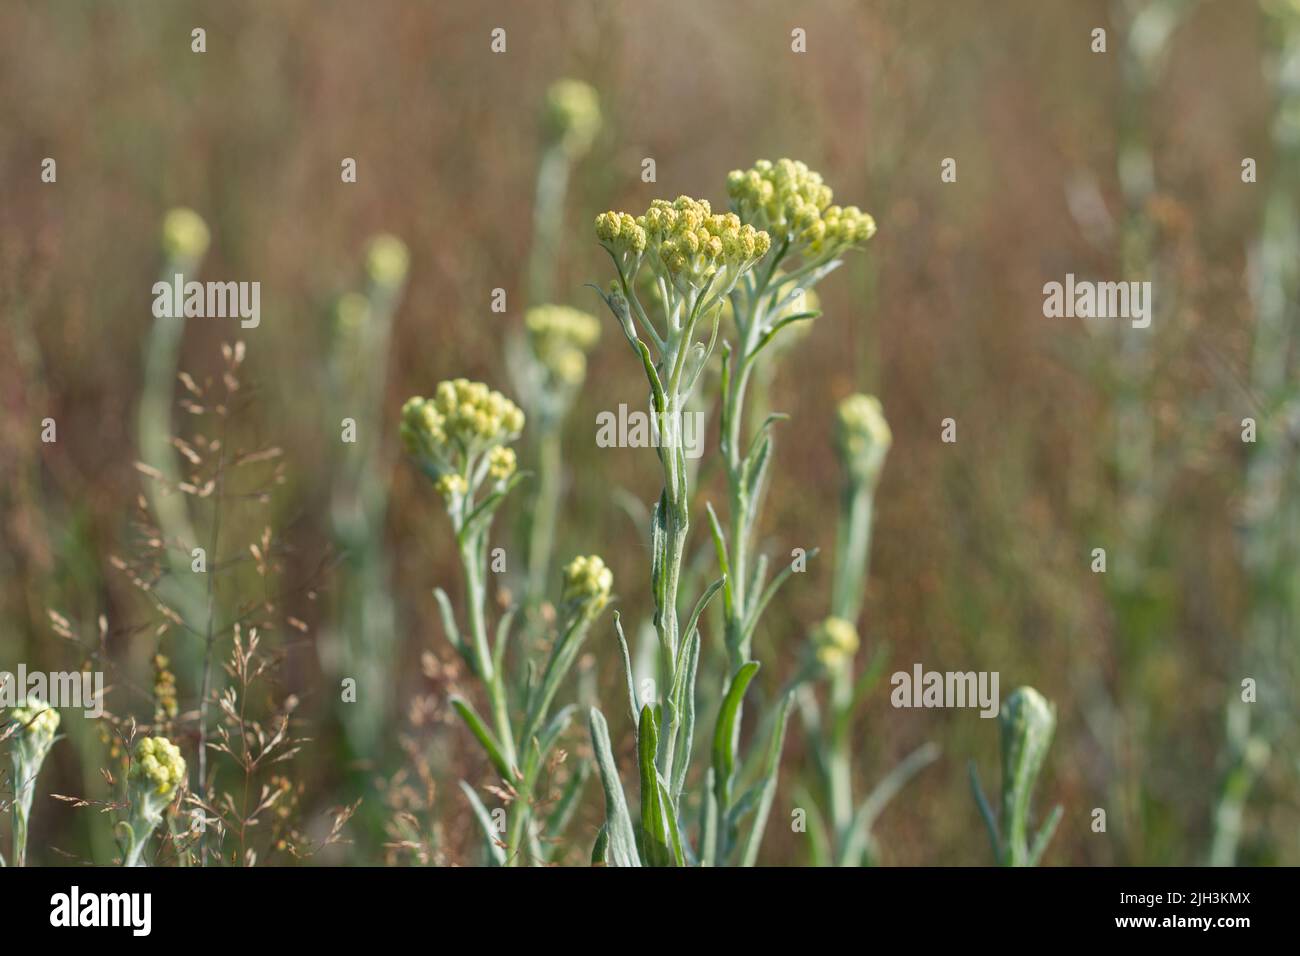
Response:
column 387, row 260
column 1028, row 722
column 32, row 726
column 158, row 768
column 862, row 436
column 834, row 642
column 793, row 203
column 560, row 338
column 458, row 436
column 164, row 689
column 686, row 243
column 572, row 116
column 587, row 585
column 184, row 235
column 502, row 463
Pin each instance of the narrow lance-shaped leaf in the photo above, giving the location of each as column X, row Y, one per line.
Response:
column 654, row 827
column 495, row 854
column 727, row 732
column 771, row 767
column 682, row 755
column 633, row 707
column 620, row 836
column 485, row 737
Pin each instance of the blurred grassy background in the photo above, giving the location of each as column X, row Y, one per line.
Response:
column 982, row 548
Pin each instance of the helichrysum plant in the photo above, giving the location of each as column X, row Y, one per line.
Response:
column 840, row 828
column 184, row 241
column 809, row 236
column 759, row 260
column 30, row 730
column 460, row 438
column 549, row 366
column 157, row 774
column 364, row 642
column 695, row 257
column 570, row 122
column 1027, row 721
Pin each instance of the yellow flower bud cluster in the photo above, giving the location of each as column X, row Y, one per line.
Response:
column 158, row 767
column 862, row 436
column 572, row 116
column 184, row 235
column 164, row 689
column 689, row 242
column 450, row 486
column 502, row 463
column 621, row 233
column 387, row 261
column 449, row 431
column 461, row 419
column 587, row 584
column 560, row 338
column 791, row 201
column 834, row 641
column 35, row 722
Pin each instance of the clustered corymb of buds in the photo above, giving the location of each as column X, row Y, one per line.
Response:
column 793, row 204
column 587, row 585
column 164, row 689
column 459, row 434
column 561, row 337
column 571, row 116
column 157, row 770
column 32, row 727
column 862, row 437
column 686, row 243
column 157, row 774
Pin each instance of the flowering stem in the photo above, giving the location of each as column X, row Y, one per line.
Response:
column 750, row 313
column 22, row 811
column 473, row 562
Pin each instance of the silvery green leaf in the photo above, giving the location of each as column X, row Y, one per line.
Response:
column 495, row 854
column 556, row 726
column 770, row 335
column 620, row 837
column 558, row 819
column 558, row 664
column 1045, row 836
column 720, row 548
column 682, row 755
column 448, row 620
column 854, row 843
column 771, row 767
column 751, row 620
column 502, row 638
column 482, row 514
column 656, row 840
column 633, row 705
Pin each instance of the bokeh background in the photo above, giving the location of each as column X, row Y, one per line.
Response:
column 1070, row 436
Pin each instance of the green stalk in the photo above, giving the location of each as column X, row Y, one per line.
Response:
column 22, row 810
column 546, row 505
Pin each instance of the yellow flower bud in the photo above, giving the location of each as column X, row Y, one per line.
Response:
column 184, row 235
